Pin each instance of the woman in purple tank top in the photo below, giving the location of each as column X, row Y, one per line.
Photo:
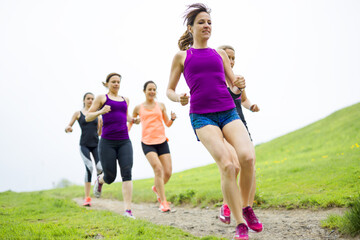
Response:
column 115, row 145
column 212, row 110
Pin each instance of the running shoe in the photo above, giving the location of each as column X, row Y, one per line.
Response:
column 164, row 207
column 241, row 232
column 97, row 187
column 251, row 220
column 225, row 214
column 128, row 213
column 87, row 202
column 157, row 195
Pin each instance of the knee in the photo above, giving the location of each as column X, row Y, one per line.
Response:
column 90, row 168
column 109, row 179
column 248, row 161
column 126, row 175
column 229, row 170
column 167, row 175
column 158, row 171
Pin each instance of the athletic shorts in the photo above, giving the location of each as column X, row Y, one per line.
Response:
column 160, row 149
column 219, row 119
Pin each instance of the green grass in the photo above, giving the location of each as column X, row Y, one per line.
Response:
column 45, row 215
column 348, row 224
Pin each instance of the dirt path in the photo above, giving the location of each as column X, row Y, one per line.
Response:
column 278, row 224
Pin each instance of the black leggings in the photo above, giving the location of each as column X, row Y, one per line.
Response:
column 112, row 150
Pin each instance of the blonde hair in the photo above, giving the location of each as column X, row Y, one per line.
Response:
column 224, row 47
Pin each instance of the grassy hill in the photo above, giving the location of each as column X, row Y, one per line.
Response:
column 318, row 165
column 315, row 166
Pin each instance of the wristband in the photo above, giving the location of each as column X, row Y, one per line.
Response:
column 172, row 119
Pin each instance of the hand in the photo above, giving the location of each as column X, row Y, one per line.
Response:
column 105, row 109
column 184, row 99
column 239, row 81
column 136, row 120
column 173, row 115
column 254, row 108
column 68, row 129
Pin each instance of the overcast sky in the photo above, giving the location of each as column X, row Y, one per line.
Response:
column 300, row 60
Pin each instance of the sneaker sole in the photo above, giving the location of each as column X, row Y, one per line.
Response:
column 222, row 219
column 254, row 231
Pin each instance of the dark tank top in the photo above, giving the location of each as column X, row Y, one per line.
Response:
column 237, row 101
column 89, row 136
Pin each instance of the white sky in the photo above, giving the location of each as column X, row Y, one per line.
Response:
column 301, row 61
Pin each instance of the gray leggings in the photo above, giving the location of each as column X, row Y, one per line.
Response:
column 85, row 155
column 112, row 150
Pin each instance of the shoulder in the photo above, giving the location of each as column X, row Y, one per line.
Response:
column 76, row 115
column 221, row 52
column 162, row 106
column 126, row 99
column 180, row 56
column 137, row 108
column 101, row 97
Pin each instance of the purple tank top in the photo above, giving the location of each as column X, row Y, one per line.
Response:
column 205, row 76
column 114, row 122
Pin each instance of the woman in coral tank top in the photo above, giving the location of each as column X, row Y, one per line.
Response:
column 154, row 142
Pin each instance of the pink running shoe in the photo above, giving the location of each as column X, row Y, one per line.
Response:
column 225, row 214
column 241, row 232
column 87, row 202
column 251, row 220
column 157, row 195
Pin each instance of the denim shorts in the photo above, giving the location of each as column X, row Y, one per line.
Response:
column 219, row 119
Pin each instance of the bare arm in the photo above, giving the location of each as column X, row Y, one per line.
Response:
column 177, row 68
column 235, row 83
column 246, row 103
column 74, row 117
column 168, row 122
column 130, row 119
column 135, row 116
column 99, row 127
column 95, row 110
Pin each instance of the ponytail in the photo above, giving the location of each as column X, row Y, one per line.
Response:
column 185, row 41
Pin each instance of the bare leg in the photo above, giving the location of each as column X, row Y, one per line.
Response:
column 253, row 187
column 165, row 160
column 235, row 162
column 158, row 169
column 212, row 138
column 243, row 147
column 127, row 188
column 87, row 189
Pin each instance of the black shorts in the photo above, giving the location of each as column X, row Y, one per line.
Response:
column 160, row 149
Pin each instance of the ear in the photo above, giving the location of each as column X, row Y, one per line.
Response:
column 189, row 28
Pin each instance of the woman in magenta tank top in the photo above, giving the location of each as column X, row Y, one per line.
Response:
column 212, row 110
column 115, row 145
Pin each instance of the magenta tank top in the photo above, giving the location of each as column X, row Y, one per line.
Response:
column 205, row 76
column 114, row 122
